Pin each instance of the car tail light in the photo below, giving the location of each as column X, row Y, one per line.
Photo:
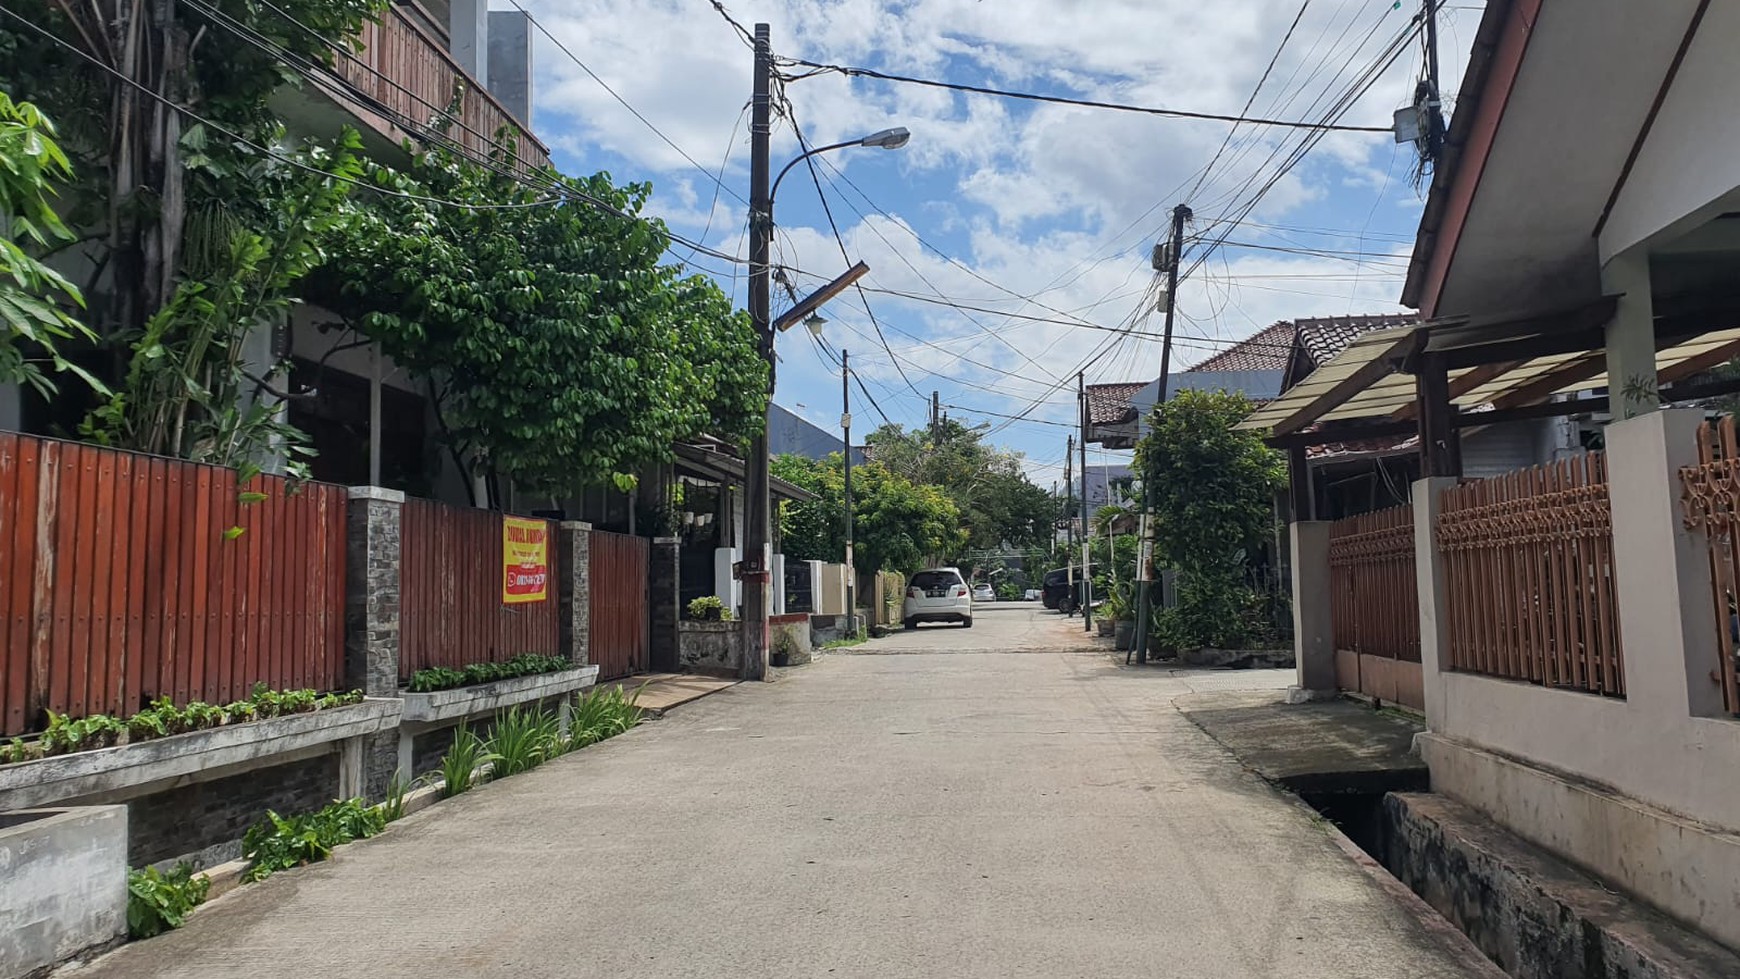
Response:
column 957, row 591
column 915, row 592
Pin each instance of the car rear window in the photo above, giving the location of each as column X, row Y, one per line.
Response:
column 935, row 579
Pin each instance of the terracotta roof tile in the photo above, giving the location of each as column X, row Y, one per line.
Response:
column 1268, row 350
column 1109, row 404
column 1327, row 336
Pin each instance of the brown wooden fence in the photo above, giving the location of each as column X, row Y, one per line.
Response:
column 1710, row 496
column 1528, row 558
column 121, row 580
column 1374, row 605
column 621, row 630
column 450, row 603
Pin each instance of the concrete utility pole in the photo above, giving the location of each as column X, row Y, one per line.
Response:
column 1068, row 519
column 935, row 418
column 1087, row 537
column 846, row 436
column 756, row 498
column 1145, row 560
column 1434, row 101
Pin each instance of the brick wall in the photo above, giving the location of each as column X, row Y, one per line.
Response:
column 209, row 818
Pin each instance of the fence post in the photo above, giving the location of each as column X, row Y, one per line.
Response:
column 1432, row 586
column 1661, row 571
column 574, row 579
column 664, row 601
column 371, row 631
column 1313, row 626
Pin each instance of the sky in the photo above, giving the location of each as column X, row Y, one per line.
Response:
column 1028, row 211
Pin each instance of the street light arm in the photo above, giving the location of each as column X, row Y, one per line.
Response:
column 774, row 193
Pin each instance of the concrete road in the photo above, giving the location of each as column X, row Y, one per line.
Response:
column 952, row 812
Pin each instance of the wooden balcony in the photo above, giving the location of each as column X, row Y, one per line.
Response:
column 404, row 70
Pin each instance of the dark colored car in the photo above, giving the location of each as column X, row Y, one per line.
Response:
column 1057, row 593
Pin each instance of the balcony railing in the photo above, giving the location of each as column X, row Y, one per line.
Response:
column 406, row 72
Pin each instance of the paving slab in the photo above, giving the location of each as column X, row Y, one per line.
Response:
column 659, row 692
column 1331, row 745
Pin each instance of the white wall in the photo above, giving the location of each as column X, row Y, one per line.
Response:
column 1691, row 159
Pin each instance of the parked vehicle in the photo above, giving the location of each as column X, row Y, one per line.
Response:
column 983, row 593
column 937, row 595
column 1059, row 595
column 1031, row 595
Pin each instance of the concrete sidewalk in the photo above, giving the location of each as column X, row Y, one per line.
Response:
column 949, row 814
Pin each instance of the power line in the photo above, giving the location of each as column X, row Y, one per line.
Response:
column 857, row 72
column 625, row 104
column 1250, row 101
column 742, row 32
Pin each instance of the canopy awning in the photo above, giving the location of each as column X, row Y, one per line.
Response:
column 1499, row 362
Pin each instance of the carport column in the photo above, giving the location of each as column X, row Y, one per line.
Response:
column 371, row 631
column 1434, row 595
column 1661, row 571
column 1313, row 630
column 1631, row 375
column 664, row 601
column 574, row 585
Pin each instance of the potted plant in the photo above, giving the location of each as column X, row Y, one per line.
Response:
column 1118, row 611
column 708, row 608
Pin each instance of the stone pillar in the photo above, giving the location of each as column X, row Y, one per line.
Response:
column 1313, row 630
column 1631, row 374
column 664, row 597
column 371, row 630
column 574, row 584
column 1661, row 573
column 1434, row 596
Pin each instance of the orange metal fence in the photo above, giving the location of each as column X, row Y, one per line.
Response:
column 1375, row 606
column 450, row 593
column 1710, row 496
column 405, row 69
column 122, row 580
column 1528, row 559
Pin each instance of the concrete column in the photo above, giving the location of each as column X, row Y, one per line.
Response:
column 664, row 598
column 1313, row 628
column 371, row 630
column 1660, row 571
column 1428, row 497
column 574, row 589
column 11, row 407
column 725, row 586
column 778, row 566
column 468, row 37
column 1631, row 375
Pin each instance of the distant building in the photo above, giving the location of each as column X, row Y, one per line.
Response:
column 790, row 434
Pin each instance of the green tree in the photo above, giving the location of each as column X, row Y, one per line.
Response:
column 1213, row 491
column 33, row 297
column 999, row 506
column 898, row 525
column 561, row 352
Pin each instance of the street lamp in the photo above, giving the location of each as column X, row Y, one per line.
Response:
column 756, row 563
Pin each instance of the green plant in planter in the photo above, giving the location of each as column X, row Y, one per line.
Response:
column 158, row 902
column 279, row 843
column 708, row 608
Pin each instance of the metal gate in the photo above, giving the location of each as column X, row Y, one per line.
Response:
column 619, row 622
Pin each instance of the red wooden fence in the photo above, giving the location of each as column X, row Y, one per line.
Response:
column 1375, row 607
column 450, row 607
column 117, row 583
column 621, row 630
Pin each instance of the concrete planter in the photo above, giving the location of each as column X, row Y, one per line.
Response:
column 1238, row 659
column 710, row 647
column 130, row 768
column 65, row 888
column 461, row 702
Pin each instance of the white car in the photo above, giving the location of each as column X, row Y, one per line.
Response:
column 937, row 595
column 983, row 593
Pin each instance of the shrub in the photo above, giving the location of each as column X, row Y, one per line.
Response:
column 708, row 608
column 158, row 902
column 524, row 738
column 459, row 765
column 279, row 843
column 604, row 712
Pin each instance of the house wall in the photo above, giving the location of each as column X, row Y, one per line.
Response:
column 1640, row 791
column 1686, row 166
column 1498, row 449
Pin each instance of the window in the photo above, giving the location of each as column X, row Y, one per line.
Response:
column 936, row 579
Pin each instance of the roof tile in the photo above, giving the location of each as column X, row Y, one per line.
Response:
column 1268, row 350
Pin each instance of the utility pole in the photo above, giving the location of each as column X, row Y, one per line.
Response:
column 846, row 436
column 1145, row 560
column 1087, row 567
column 1434, row 101
column 756, row 503
column 935, row 418
column 1068, row 515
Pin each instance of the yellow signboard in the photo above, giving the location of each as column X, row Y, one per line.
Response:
column 525, row 559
